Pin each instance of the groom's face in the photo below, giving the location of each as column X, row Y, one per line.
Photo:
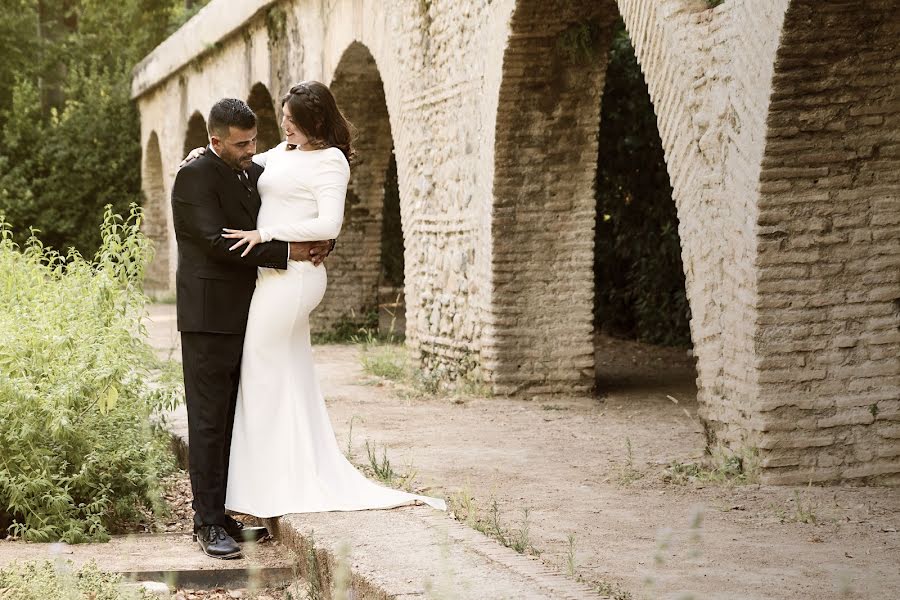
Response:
column 238, row 148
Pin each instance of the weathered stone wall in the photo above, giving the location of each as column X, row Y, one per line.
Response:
column 782, row 157
column 828, row 266
column 156, row 223
column 544, row 207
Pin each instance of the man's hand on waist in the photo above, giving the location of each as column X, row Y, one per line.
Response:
column 314, row 252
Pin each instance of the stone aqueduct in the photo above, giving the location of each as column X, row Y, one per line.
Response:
column 780, row 121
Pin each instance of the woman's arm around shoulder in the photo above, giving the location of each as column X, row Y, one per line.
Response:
column 261, row 158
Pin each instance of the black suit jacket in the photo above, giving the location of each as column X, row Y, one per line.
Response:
column 213, row 284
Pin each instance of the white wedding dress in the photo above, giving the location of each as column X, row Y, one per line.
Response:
column 284, row 455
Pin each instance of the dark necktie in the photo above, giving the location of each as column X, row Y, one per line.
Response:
column 242, row 177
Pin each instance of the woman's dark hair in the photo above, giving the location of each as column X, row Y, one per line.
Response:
column 314, row 111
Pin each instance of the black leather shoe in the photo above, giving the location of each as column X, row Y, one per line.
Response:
column 215, row 542
column 241, row 532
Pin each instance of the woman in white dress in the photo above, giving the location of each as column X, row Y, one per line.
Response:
column 284, row 455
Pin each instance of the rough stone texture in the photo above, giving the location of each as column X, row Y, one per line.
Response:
column 544, row 207
column 828, row 264
column 779, row 122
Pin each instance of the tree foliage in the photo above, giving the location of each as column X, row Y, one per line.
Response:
column 69, row 133
column 638, row 268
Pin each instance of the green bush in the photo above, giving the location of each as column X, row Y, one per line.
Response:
column 44, row 581
column 638, row 269
column 78, row 456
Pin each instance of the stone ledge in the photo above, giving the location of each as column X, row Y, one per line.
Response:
column 215, row 22
column 400, row 553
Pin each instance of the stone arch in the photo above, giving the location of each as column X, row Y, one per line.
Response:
column 156, row 221
column 358, row 284
column 267, row 119
column 828, row 247
column 196, row 134
column 543, row 221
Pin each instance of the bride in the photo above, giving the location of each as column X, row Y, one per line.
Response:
column 284, row 455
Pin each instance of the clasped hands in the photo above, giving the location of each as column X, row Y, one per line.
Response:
column 315, row 252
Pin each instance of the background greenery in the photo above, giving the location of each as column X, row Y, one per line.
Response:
column 640, row 289
column 69, row 134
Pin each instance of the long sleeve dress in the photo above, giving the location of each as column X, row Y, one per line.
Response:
column 284, row 455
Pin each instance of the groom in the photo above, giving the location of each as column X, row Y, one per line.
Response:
column 214, row 286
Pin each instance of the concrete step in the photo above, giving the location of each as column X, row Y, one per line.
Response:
column 168, row 557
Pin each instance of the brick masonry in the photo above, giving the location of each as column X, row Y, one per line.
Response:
column 779, row 121
column 828, row 261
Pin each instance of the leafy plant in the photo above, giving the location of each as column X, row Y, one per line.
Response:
column 350, row 329
column 720, row 466
column 578, row 42
column 382, row 469
column 491, row 524
column 78, row 455
column 42, row 581
column 571, row 556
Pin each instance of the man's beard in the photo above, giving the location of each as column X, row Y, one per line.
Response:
column 239, row 162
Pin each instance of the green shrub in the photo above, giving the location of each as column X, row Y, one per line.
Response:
column 78, row 456
column 43, row 581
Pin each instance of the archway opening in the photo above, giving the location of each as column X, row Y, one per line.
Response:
column 391, row 306
column 196, row 135
column 551, row 257
column 366, row 289
column 268, row 131
column 156, row 223
column 639, row 281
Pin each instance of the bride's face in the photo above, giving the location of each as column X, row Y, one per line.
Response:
column 292, row 133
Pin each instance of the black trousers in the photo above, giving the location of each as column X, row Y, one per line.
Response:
column 212, row 368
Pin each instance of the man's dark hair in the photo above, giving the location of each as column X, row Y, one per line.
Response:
column 229, row 112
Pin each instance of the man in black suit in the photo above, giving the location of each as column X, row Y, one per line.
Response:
column 214, row 286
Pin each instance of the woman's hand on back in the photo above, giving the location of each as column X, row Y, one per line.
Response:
column 250, row 238
column 192, row 155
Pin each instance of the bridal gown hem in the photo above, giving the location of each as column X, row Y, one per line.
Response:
column 284, row 454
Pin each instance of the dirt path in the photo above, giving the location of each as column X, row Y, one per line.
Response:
column 596, row 467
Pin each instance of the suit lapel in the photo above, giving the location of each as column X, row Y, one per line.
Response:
column 247, row 195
